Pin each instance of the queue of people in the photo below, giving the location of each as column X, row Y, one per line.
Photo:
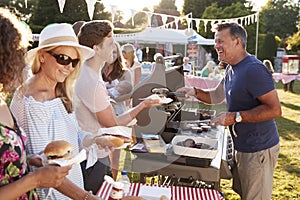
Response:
column 68, row 98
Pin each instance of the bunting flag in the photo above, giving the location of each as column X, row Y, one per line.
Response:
column 91, row 7
column 113, row 12
column 149, row 15
column 164, row 18
column 61, row 4
column 244, row 20
column 133, row 12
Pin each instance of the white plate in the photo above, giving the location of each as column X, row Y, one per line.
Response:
column 194, row 152
column 75, row 160
column 162, row 99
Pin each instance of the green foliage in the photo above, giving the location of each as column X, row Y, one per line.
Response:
column 197, row 7
column 268, row 47
column 234, row 10
column 279, row 17
column 74, row 10
column 166, row 4
column 20, row 8
column 140, row 19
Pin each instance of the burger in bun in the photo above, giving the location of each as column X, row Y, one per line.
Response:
column 59, row 149
column 111, row 140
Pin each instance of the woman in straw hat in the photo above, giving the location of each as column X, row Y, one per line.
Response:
column 15, row 182
column 43, row 105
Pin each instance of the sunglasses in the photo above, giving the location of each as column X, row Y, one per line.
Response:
column 64, row 59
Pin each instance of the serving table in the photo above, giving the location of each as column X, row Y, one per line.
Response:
column 285, row 78
column 155, row 164
column 178, row 192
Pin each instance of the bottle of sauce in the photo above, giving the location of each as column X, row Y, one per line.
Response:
column 116, row 191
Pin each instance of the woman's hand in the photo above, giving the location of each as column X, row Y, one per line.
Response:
column 51, row 175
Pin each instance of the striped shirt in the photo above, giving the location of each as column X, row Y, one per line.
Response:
column 44, row 122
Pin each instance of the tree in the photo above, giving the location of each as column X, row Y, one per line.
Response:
column 140, row 19
column 197, row 7
column 234, row 10
column 279, row 17
column 20, row 8
column 167, row 7
column 47, row 12
column 267, row 47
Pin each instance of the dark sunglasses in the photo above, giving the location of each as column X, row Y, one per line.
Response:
column 64, row 59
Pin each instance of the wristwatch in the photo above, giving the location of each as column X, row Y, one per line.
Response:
column 238, row 117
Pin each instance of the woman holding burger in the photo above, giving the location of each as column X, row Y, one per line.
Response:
column 43, row 104
column 15, row 181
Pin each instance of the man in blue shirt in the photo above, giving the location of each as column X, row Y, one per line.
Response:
column 252, row 104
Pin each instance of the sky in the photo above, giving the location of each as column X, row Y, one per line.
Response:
column 126, row 5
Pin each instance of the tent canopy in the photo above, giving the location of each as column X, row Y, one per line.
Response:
column 162, row 36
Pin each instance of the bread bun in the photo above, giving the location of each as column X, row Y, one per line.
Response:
column 109, row 140
column 58, row 149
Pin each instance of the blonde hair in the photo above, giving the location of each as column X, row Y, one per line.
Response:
column 269, row 65
column 129, row 51
column 210, row 65
column 64, row 90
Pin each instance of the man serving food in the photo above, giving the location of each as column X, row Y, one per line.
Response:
column 252, row 104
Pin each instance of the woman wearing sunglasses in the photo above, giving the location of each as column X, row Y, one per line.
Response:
column 15, row 181
column 43, row 105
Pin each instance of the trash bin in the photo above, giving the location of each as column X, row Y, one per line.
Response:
column 290, row 64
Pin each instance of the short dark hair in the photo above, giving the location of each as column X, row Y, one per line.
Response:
column 236, row 31
column 93, row 32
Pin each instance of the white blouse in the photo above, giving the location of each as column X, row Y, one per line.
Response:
column 44, row 122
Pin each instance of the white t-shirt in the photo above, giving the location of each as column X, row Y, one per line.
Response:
column 139, row 54
column 188, row 68
column 90, row 97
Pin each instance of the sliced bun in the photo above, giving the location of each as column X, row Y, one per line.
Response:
column 58, row 149
column 109, row 140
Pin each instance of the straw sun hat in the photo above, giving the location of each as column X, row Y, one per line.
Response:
column 59, row 35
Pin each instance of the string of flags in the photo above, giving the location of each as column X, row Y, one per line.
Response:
column 243, row 20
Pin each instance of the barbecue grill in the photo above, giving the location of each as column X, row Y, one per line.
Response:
column 168, row 121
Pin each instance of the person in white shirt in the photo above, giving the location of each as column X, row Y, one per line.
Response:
column 139, row 54
column 93, row 108
column 187, row 67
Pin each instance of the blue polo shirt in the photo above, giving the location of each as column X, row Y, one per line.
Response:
column 244, row 83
